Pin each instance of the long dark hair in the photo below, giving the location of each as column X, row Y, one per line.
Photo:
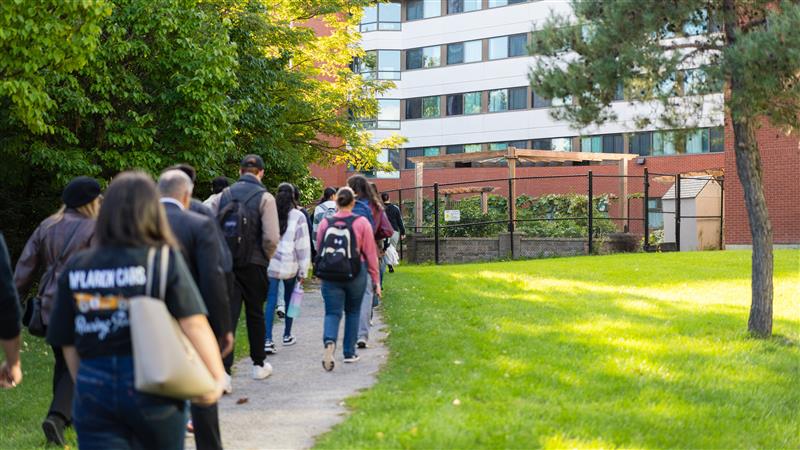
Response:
column 131, row 215
column 329, row 192
column 360, row 185
column 284, row 200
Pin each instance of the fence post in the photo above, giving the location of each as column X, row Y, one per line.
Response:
column 646, row 210
column 436, row 222
column 511, row 213
column 721, row 213
column 591, row 215
column 678, row 212
column 400, row 206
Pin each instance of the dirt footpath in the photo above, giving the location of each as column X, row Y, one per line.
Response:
column 300, row 400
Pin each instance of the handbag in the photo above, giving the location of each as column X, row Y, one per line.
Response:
column 165, row 361
column 383, row 229
column 293, row 310
column 32, row 318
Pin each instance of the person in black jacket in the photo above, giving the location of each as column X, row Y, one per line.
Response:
column 196, row 235
column 10, row 323
column 396, row 219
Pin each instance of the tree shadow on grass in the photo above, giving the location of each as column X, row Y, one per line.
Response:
column 570, row 364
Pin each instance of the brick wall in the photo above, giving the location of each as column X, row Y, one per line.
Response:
column 780, row 159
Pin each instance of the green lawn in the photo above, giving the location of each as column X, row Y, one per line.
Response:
column 633, row 351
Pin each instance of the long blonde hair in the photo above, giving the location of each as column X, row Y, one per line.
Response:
column 89, row 210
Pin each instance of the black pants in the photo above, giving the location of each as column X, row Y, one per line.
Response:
column 250, row 286
column 205, row 420
column 62, row 388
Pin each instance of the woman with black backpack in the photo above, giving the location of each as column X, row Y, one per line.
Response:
column 54, row 241
column 346, row 258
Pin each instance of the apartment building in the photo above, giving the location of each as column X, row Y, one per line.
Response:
column 461, row 73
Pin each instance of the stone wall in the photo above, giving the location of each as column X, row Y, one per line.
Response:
column 420, row 248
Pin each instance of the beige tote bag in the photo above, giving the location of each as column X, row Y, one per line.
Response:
column 165, row 362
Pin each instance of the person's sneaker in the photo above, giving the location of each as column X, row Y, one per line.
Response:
column 327, row 357
column 269, row 347
column 280, row 312
column 53, row 427
column 362, row 343
column 261, row 372
column 289, row 340
column 228, row 389
column 351, row 358
column 391, row 269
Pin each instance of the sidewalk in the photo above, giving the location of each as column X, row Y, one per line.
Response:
column 300, row 400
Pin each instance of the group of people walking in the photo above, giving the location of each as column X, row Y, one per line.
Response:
column 242, row 247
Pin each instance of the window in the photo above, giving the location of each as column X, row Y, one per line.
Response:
column 716, row 140
column 518, row 45
column 655, row 215
column 609, row 143
column 458, row 104
column 423, row 107
column 472, row 103
column 518, row 144
column 388, row 114
column 412, row 152
column 423, row 9
column 518, row 98
column 555, row 144
column 697, row 23
column 464, row 52
column 385, row 64
column 418, row 58
column 498, row 146
column 459, row 6
column 540, row 102
column 453, row 149
column 663, row 143
column 472, row 148
column 498, row 47
column 392, row 157
column 657, row 143
column 498, row 100
column 496, row 3
column 640, row 143
column 384, row 16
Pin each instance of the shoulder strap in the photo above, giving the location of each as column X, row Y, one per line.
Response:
column 151, row 257
column 162, row 278
column 67, row 242
column 163, row 270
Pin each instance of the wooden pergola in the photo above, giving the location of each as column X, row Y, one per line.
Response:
column 512, row 155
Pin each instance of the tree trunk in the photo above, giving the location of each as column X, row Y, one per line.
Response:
column 748, row 167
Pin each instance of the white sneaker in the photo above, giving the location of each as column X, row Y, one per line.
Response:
column 261, row 372
column 228, row 389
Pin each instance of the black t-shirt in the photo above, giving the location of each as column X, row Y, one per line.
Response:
column 91, row 308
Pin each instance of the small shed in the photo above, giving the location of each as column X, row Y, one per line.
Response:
column 701, row 211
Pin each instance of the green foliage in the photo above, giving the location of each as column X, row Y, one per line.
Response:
column 37, row 38
column 624, row 351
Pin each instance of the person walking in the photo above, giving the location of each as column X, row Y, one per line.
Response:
column 396, row 219
column 345, row 296
column 368, row 205
column 90, row 322
column 290, row 263
column 218, row 185
column 249, row 222
column 54, row 241
column 326, row 208
column 196, row 235
column 10, row 322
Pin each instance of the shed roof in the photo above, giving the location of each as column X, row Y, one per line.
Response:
column 690, row 188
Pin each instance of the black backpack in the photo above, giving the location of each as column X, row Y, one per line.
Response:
column 338, row 258
column 240, row 226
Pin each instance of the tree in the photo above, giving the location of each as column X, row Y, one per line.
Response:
column 37, row 38
column 749, row 46
column 299, row 101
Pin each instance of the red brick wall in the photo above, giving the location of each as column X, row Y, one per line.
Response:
column 780, row 157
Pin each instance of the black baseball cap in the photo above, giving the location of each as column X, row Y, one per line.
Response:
column 252, row 161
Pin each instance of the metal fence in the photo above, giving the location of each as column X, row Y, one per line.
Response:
column 427, row 209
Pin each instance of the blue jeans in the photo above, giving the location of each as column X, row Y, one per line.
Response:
column 108, row 412
column 343, row 297
column 272, row 303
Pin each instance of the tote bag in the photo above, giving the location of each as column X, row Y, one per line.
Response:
column 165, row 361
column 295, row 302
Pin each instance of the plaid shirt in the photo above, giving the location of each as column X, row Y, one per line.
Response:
column 293, row 256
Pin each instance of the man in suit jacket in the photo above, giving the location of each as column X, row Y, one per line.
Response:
column 197, row 235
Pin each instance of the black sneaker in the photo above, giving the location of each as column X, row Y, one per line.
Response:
column 53, row 428
column 351, row 358
column 289, row 340
column 391, row 269
column 362, row 343
column 269, row 347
